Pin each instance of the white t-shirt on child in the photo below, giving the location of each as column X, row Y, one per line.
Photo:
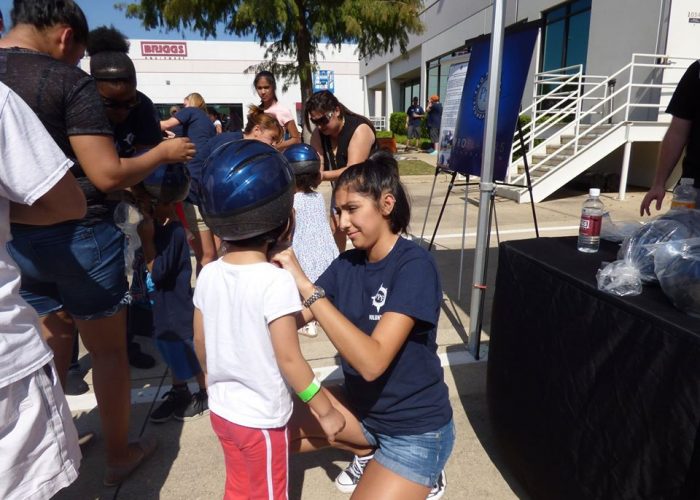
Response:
column 237, row 303
column 30, row 165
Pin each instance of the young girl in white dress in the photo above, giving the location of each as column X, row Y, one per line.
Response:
column 313, row 242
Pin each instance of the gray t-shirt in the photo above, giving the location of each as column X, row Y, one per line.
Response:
column 66, row 100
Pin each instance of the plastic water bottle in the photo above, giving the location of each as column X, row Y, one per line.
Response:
column 684, row 195
column 591, row 218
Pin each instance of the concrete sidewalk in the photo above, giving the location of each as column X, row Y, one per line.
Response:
column 189, row 463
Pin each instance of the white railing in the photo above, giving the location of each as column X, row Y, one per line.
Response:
column 556, row 102
column 589, row 100
column 379, row 122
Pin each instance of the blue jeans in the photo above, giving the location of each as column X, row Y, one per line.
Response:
column 417, row 457
column 71, row 266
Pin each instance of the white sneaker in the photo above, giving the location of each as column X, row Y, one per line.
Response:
column 348, row 479
column 309, row 330
column 438, row 488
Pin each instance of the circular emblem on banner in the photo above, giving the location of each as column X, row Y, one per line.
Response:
column 481, row 97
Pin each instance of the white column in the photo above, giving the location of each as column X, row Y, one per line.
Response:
column 625, row 170
column 423, row 84
column 365, row 101
column 378, row 102
column 389, row 97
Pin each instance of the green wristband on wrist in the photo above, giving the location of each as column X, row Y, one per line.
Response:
column 307, row 394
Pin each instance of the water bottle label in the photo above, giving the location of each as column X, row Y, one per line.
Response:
column 590, row 225
column 682, row 204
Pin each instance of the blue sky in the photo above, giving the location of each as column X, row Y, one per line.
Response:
column 102, row 12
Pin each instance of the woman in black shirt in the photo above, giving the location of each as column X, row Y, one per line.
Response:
column 341, row 138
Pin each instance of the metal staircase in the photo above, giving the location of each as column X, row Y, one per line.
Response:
column 576, row 120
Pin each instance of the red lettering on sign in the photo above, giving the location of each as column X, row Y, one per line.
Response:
column 164, row 49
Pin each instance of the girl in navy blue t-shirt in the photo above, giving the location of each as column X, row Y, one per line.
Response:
column 379, row 304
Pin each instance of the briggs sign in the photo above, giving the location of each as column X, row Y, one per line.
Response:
column 164, row 49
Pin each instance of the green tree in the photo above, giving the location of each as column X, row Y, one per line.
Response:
column 294, row 29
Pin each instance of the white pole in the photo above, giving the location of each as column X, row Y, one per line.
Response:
column 486, row 185
column 625, row 169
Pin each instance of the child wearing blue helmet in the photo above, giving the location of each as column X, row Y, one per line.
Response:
column 245, row 331
column 313, row 241
column 167, row 257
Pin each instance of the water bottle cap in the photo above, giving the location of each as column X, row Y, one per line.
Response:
column 594, row 192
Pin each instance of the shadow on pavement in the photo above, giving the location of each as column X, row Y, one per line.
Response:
column 300, row 462
column 470, row 379
column 146, row 482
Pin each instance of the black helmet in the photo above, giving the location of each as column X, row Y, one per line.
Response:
column 303, row 159
column 168, row 183
column 247, row 189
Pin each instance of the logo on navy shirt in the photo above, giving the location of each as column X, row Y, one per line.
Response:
column 378, row 301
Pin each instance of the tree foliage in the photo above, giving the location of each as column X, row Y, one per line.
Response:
column 292, row 29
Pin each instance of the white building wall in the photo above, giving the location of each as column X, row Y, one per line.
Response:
column 216, row 69
column 683, row 39
column 684, row 29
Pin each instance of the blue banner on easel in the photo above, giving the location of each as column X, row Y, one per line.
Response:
column 518, row 45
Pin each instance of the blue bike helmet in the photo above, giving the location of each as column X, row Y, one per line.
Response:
column 168, row 183
column 677, row 266
column 303, row 159
column 247, row 189
column 639, row 248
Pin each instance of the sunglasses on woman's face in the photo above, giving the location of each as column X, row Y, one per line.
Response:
column 323, row 119
column 125, row 105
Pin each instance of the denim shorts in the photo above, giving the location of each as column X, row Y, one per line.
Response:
column 417, row 457
column 78, row 268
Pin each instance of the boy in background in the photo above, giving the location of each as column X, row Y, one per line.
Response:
column 167, row 258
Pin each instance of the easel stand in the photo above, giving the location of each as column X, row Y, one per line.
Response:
column 492, row 217
column 450, row 186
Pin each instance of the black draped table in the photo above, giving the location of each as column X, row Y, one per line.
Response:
column 591, row 396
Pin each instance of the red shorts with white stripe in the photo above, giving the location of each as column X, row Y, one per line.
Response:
column 256, row 460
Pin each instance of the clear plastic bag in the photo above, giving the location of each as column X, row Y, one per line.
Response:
column 127, row 218
column 677, row 266
column 639, row 248
column 618, row 231
column 690, row 218
column 619, row 278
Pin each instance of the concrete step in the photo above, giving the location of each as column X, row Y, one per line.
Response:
column 537, row 172
column 586, row 139
column 558, row 158
column 551, row 148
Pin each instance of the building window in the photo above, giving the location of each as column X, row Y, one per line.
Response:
column 409, row 90
column 437, row 72
column 566, row 35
